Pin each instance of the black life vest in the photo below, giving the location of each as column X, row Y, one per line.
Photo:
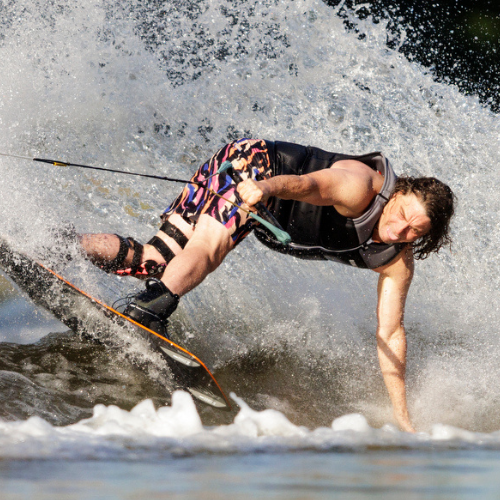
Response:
column 320, row 232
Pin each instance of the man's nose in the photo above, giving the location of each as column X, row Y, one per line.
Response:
column 401, row 227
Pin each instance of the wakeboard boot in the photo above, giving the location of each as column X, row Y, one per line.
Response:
column 153, row 306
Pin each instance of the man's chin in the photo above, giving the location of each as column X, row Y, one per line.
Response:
column 389, row 241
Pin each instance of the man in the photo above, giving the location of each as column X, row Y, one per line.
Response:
column 337, row 207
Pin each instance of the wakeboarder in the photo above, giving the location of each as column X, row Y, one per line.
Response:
column 344, row 208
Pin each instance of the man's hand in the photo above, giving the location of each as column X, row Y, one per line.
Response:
column 404, row 422
column 252, row 192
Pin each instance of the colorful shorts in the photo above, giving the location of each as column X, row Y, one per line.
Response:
column 250, row 158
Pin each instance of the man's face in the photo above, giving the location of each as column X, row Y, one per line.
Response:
column 403, row 220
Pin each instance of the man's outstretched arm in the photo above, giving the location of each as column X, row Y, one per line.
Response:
column 393, row 285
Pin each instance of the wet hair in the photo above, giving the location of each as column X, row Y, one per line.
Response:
column 438, row 201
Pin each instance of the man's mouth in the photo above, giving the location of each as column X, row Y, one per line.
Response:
column 391, row 235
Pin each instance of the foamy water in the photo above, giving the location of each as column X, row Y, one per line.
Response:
column 113, row 433
column 158, row 90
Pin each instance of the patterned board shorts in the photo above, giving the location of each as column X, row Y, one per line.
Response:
column 251, row 159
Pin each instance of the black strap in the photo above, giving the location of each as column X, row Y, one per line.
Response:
column 122, row 253
column 115, row 264
column 137, row 258
column 175, row 233
column 162, row 247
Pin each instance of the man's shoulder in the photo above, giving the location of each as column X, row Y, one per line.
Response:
column 357, row 169
column 361, row 183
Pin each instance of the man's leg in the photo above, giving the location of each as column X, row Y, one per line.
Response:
column 125, row 256
column 204, row 252
column 207, row 247
column 104, row 249
column 218, row 229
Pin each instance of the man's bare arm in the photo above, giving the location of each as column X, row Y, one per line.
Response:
column 393, row 285
column 350, row 185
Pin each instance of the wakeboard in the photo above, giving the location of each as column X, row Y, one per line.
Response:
column 60, row 297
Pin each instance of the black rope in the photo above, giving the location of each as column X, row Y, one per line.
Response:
column 149, row 176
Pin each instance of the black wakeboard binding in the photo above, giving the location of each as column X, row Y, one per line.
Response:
column 153, row 306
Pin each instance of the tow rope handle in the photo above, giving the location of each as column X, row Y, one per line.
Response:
column 265, row 217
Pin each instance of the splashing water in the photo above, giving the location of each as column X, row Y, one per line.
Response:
column 112, row 433
column 157, row 88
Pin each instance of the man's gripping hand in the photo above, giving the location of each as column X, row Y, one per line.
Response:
column 252, row 192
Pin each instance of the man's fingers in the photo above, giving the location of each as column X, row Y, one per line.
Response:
column 249, row 191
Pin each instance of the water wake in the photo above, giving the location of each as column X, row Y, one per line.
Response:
column 143, row 432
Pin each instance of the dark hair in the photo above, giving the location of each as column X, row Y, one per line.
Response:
column 438, row 200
